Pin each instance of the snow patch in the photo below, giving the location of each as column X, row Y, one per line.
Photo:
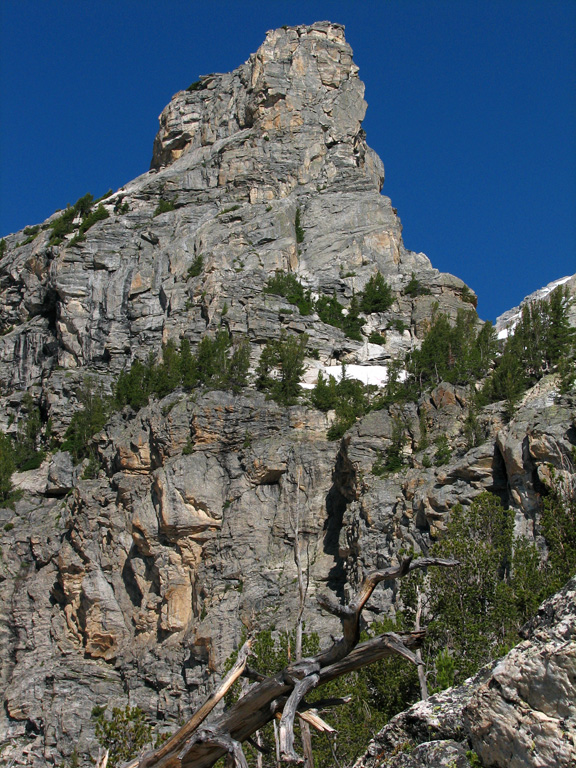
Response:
column 376, row 375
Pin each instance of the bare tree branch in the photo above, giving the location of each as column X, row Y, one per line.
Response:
column 163, row 756
column 194, row 747
column 287, row 720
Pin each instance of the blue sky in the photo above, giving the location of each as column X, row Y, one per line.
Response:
column 472, row 108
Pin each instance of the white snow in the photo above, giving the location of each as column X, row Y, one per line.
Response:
column 367, row 374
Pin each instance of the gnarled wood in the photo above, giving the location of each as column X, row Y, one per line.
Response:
column 195, row 747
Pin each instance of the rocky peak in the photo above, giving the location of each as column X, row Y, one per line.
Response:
column 301, row 84
column 238, row 160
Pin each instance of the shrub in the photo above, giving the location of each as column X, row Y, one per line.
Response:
column 286, row 284
column 31, row 233
column 542, row 342
column 350, row 399
column 62, row 226
column 479, row 606
column 468, row 297
column 458, row 353
column 98, row 215
column 3, row 247
column 558, row 524
column 393, row 460
column 216, row 364
column 415, row 288
column 26, row 453
column 398, row 325
column 124, row 735
column 164, row 206
column 196, row 267
column 330, row 310
column 105, row 196
column 377, row 338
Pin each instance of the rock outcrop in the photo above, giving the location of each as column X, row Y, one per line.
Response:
column 134, row 586
column 519, row 712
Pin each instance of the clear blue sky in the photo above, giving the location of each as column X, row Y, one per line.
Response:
column 472, row 108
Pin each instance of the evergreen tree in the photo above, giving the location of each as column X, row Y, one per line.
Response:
column 558, row 523
column 7, row 467
column 479, row 606
column 281, row 367
column 377, row 296
column 86, row 422
column 238, row 365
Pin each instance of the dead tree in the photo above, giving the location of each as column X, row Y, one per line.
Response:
column 204, row 740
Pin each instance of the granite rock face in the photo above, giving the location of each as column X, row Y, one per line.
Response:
column 519, row 712
column 135, row 585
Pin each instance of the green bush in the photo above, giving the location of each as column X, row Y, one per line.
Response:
column 27, row 451
column 415, row 288
column 31, row 233
column 443, row 452
column 285, row 284
column 197, row 85
column 478, row 607
column 64, row 224
column 542, row 342
column 377, row 338
column 331, row 312
column 393, row 460
column 90, row 219
column 349, row 398
column 164, row 206
column 3, row 247
column 125, row 735
column 558, row 523
column 459, row 353
column 196, row 267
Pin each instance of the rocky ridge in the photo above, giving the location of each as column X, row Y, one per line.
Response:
column 134, row 586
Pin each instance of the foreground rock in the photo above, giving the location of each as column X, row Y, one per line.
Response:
column 519, row 712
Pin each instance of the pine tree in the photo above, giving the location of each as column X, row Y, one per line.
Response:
column 285, row 356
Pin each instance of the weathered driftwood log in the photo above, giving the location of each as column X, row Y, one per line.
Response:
column 201, row 742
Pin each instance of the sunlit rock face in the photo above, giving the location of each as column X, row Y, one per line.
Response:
column 134, row 586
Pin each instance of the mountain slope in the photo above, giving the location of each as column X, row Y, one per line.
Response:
column 130, row 577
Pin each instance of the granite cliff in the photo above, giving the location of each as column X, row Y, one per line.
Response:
column 134, row 585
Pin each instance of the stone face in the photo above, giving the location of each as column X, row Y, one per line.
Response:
column 518, row 712
column 134, row 586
